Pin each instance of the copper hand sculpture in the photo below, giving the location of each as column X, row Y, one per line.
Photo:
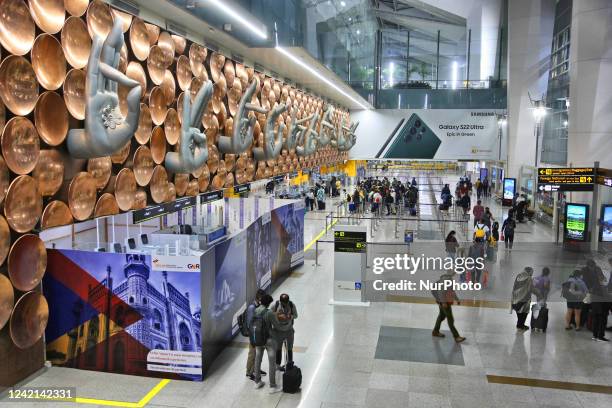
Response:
column 106, row 129
column 296, row 131
column 272, row 144
column 193, row 150
column 242, row 136
column 327, row 128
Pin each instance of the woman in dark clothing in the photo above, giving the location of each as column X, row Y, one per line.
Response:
column 508, row 232
column 451, row 244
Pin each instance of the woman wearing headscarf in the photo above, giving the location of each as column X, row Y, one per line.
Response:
column 521, row 296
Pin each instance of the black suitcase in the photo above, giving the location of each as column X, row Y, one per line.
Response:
column 292, row 379
column 541, row 323
column 413, row 212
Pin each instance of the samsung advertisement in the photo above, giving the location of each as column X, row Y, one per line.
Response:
column 509, row 190
column 606, row 223
column 576, row 222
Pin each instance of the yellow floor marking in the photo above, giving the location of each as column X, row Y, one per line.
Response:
column 559, row 385
column 311, row 243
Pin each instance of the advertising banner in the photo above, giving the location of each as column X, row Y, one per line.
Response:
column 576, row 222
column 606, row 223
column 509, row 191
column 116, row 313
column 440, row 134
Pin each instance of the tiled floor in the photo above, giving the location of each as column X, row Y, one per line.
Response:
column 340, row 350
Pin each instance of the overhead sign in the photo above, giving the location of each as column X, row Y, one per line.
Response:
column 604, row 177
column 242, row 188
column 350, row 241
column 566, row 179
column 149, row 213
column 181, row 203
column 211, row 196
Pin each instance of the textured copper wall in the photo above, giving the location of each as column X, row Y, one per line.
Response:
column 45, row 48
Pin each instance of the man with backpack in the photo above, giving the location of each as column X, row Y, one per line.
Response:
column 508, row 231
column 286, row 312
column 263, row 336
column 245, row 322
column 481, row 231
column 445, row 299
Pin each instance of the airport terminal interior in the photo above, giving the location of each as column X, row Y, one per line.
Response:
column 306, row 203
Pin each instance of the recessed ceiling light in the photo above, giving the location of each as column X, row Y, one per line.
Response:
column 358, row 32
column 304, row 65
column 343, row 4
column 242, row 20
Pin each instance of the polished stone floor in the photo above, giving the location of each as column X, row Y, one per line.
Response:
column 384, row 355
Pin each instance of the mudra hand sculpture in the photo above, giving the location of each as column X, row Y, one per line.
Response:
column 193, row 150
column 272, row 144
column 350, row 139
column 327, row 128
column 310, row 137
column 242, row 136
column 295, row 131
column 106, row 129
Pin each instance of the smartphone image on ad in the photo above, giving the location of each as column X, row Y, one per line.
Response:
column 414, row 140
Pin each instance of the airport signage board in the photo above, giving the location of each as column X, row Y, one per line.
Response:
column 242, row 188
column 566, row 179
column 149, row 213
column 350, row 241
column 181, row 204
column 509, row 191
column 211, row 196
column 604, row 177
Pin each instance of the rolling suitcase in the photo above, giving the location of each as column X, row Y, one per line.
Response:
column 540, row 322
column 292, row 378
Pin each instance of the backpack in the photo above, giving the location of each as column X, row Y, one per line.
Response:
column 509, row 229
column 259, row 333
column 242, row 318
column 480, row 232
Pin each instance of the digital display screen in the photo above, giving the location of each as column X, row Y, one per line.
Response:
column 606, row 224
column 576, row 222
column 509, row 188
column 484, row 173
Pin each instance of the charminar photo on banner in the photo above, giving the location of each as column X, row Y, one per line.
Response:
column 440, row 134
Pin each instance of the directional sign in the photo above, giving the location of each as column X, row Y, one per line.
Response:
column 211, row 196
column 566, row 179
column 604, row 177
column 349, row 241
column 242, row 188
column 149, row 213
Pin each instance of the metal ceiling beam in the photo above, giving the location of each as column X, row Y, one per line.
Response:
column 450, row 30
column 443, row 14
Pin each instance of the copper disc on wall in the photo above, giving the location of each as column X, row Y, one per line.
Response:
column 180, row 43
column 193, row 188
column 4, row 179
column 153, row 31
column 211, row 126
column 204, row 179
column 125, row 18
column 156, row 64
column 48, row 14
column 250, row 170
column 99, row 19
column 23, row 204
column 20, row 145
column 157, row 105
column 181, row 181
column 17, row 28
column 18, row 85
column 197, row 55
column 5, row 244
column 230, row 162
column 170, row 193
column 229, row 72
column 229, row 180
column 183, row 72
column 166, row 44
column 82, row 196
column 100, row 168
column 158, row 145
column 125, row 189
column 121, row 155
column 143, row 133
column 218, row 182
column 76, row 7
column 233, row 97
column 143, row 166
column 139, row 39
column 194, row 87
column 159, row 185
column 140, row 200
column 7, row 300
column 135, row 71
column 213, row 158
column 106, row 205
column 27, row 262
column 76, row 42
column 242, row 75
column 29, row 320
column 49, row 172
column 51, row 118
column 55, row 214
column 168, row 87
column 48, row 61
column 74, row 93
column 217, row 62
column 172, row 127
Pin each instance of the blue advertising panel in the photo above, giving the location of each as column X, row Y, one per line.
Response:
column 606, row 223
column 509, row 191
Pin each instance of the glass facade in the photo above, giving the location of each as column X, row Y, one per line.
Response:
column 555, row 127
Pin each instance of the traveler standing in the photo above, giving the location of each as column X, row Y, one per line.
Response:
column 542, row 284
column 574, row 291
column 508, row 232
column 478, row 211
column 594, row 279
column 485, row 187
column 445, row 299
column 263, row 336
column 478, row 188
column 487, row 217
column 310, row 199
column 321, row 198
column 521, row 297
column 451, row 244
column 286, row 312
column 250, row 313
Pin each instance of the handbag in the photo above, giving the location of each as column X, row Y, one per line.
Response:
column 587, row 299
